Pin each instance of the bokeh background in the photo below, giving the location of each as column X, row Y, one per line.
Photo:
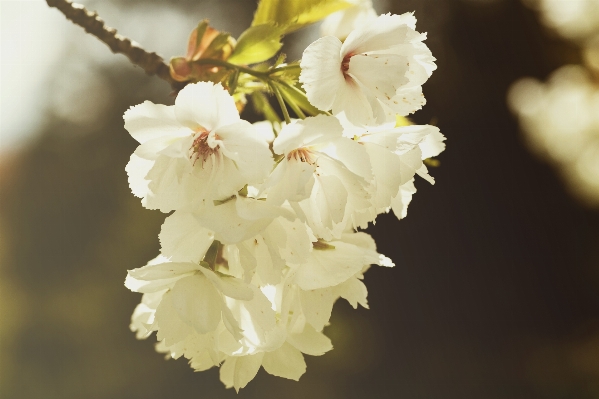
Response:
column 496, row 290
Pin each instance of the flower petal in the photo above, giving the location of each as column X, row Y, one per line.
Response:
column 206, row 105
column 310, row 341
column 321, row 74
column 148, row 121
column 237, row 371
column 183, row 238
column 198, row 303
column 286, row 362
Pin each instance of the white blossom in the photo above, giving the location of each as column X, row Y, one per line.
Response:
column 193, row 298
column 322, row 174
column 376, row 73
column 195, row 151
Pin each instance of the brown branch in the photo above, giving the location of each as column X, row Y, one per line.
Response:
column 152, row 63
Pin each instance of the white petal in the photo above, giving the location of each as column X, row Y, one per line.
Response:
column 197, row 303
column 321, row 74
column 407, row 101
column 327, row 268
column 148, row 121
column 310, row 341
column 206, row 105
column 257, row 319
column 237, row 372
column 352, row 155
column 228, row 225
column 433, row 144
column 423, row 172
column 166, row 186
column 385, row 166
column 163, row 271
column 312, row 131
column 411, row 162
column 317, row 306
column 242, row 144
column 286, row 362
column 381, row 74
column 331, row 199
column 400, row 203
column 354, row 291
column 229, row 286
column 182, row 238
column 137, row 170
column 351, row 99
column 291, row 180
column 168, row 324
column 381, row 34
column 341, row 23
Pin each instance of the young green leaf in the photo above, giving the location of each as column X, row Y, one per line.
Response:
column 295, row 14
column 257, row 44
column 294, row 95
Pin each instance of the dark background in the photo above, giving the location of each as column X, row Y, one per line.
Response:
column 495, row 292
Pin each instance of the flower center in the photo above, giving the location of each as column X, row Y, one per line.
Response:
column 303, row 155
column 199, row 148
column 345, row 64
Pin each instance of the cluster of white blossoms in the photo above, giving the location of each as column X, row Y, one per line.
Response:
column 561, row 120
column 576, row 19
column 560, row 117
column 262, row 238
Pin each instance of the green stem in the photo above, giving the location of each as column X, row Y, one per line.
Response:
column 277, row 92
column 233, row 82
column 298, row 111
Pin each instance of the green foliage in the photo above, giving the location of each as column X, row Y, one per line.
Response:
column 296, row 98
column 263, row 107
column 258, row 43
column 294, row 14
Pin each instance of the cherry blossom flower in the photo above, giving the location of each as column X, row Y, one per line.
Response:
column 322, row 174
column 195, row 151
column 376, row 73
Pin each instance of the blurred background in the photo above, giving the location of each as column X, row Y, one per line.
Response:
column 496, row 290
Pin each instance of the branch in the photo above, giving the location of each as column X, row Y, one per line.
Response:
column 152, row 63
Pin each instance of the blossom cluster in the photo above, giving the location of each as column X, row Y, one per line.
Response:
column 263, row 236
column 561, row 122
column 559, row 117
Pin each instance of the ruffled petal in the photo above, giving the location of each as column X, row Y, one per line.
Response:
column 286, row 362
column 182, row 238
column 321, row 74
column 148, row 121
column 197, row 302
column 205, row 105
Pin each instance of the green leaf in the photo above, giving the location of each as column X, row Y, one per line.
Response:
column 295, row 14
column 296, row 96
column 257, row 44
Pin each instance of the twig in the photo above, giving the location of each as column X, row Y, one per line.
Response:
column 151, row 63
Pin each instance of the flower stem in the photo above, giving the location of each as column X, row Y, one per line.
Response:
column 277, row 93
